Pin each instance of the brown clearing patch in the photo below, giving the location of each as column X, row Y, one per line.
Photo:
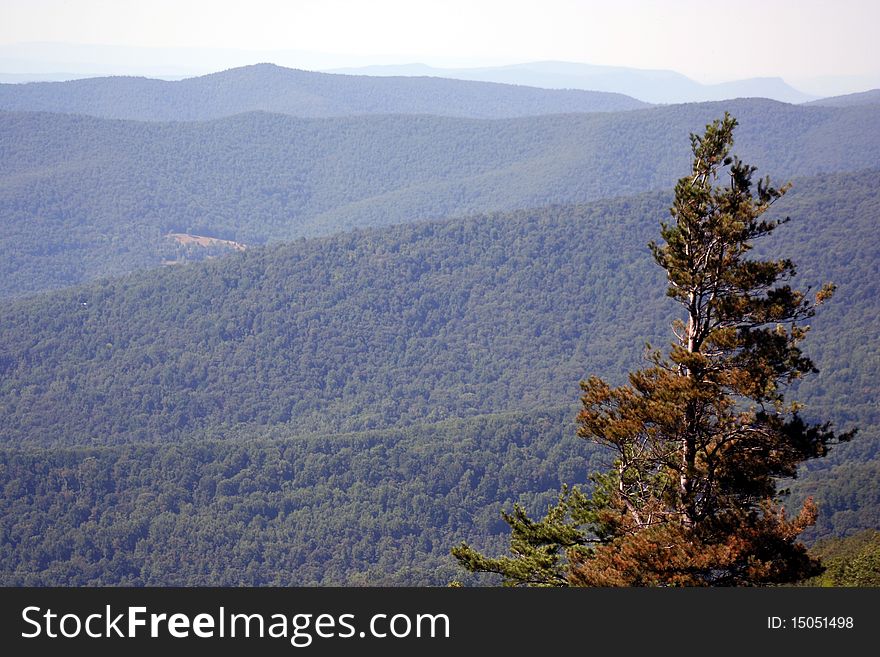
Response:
column 201, row 240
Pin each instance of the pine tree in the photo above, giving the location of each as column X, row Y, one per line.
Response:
column 700, row 437
column 540, row 548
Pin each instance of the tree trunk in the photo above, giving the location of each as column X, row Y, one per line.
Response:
column 688, row 444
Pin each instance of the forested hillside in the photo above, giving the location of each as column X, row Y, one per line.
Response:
column 355, row 331
column 273, row 88
column 84, row 197
column 850, row 561
column 375, row 508
column 381, row 328
column 342, row 410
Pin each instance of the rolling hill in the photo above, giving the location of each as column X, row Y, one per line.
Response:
column 270, row 88
column 383, row 328
column 84, row 197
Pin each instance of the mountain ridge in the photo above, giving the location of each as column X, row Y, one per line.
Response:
column 870, row 97
column 297, row 92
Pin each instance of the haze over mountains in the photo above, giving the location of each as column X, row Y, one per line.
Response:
column 430, row 268
column 68, row 61
column 271, row 88
column 653, row 86
column 407, row 88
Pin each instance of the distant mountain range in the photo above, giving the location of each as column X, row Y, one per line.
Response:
column 271, row 88
column 46, row 61
column 653, row 86
column 494, row 92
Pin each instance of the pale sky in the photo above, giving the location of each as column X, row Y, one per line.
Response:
column 708, row 40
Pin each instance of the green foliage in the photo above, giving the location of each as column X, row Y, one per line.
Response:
column 847, row 489
column 369, row 508
column 850, row 561
column 540, row 548
column 84, row 198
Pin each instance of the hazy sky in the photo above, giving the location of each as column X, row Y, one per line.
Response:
column 708, row 40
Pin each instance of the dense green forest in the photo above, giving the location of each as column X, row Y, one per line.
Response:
column 357, row 331
column 368, row 508
column 273, row 88
column 378, row 507
column 84, row 198
column 850, row 561
column 342, row 410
